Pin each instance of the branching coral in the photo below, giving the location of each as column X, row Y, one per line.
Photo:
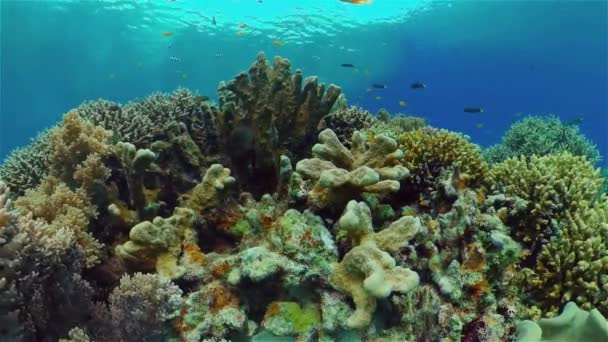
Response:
column 62, row 208
column 344, row 122
column 573, row 265
column 428, row 151
column 143, row 306
column 541, row 136
column 549, row 186
column 341, row 174
column 265, row 111
column 25, row 167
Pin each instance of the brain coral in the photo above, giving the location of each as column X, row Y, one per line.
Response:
column 540, row 136
column 550, row 187
column 428, row 151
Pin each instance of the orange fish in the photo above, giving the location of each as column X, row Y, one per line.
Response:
column 167, row 33
column 240, row 33
column 278, row 43
column 357, row 2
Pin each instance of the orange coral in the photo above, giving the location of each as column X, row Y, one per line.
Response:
column 195, row 254
column 221, row 269
column 474, row 260
column 221, row 298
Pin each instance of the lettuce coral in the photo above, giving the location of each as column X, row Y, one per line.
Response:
column 537, row 135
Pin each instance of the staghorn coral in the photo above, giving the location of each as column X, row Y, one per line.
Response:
column 340, row 174
column 72, row 143
column 547, row 187
column 345, row 121
column 367, row 272
column 429, row 151
column 265, row 113
column 573, row 265
column 62, row 208
column 25, row 167
column 209, row 192
column 143, row 306
column 573, row 324
column 540, row 136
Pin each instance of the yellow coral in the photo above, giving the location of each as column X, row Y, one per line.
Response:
column 573, row 266
column 71, row 144
column 91, row 172
column 55, row 203
column 550, row 187
column 428, row 151
column 208, row 193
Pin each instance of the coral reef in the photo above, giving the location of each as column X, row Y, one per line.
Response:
column 540, row 136
column 246, row 230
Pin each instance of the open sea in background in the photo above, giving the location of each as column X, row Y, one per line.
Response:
column 511, row 58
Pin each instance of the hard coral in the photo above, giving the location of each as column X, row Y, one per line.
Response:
column 537, row 135
column 210, row 191
column 345, row 121
column 573, row 265
column 341, row 174
column 428, row 151
column 393, row 127
column 265, row 111
column 548, row 187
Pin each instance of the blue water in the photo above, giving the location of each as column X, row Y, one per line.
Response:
column 508, row 57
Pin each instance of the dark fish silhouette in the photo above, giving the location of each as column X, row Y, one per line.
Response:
column 379, row 86
column 347, row 65
column 213, row 20
column 473, row 110
column 418, row 85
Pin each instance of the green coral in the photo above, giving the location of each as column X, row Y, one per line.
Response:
column 573, row 324
column 394, row 126
column 291, row 318
column 536, row 135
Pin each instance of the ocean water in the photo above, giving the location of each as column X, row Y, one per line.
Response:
column 233, row 219
column 507, row 57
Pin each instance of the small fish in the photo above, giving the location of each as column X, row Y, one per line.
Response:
column 473, row 110
column 368, row 90
column 402, row 103
column 184, row 76
column 479, row 125
column 379, row 86
column 213, row 20
column 174, row 59
column 357, row 2
column 167, row 33
column 278, row 43
column 260, row 1
column 111, row 76
column 378, row 97
column 241, row 33
column 347, row 65
column 170, row 0
column 418, row 85
column 356, row 70
column 366, row 72
column 219, row 54
column 243, row 25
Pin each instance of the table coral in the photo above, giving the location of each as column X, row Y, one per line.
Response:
column 340, row 174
